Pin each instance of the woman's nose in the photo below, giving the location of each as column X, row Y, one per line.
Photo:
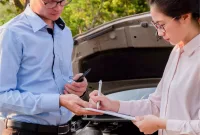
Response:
column 160, row 33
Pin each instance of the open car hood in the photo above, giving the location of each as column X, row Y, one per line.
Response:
column 124, row 53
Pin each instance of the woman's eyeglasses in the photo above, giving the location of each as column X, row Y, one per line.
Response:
column 163, row 26
column 53, row 4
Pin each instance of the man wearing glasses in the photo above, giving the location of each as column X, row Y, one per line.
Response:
column 35, row 65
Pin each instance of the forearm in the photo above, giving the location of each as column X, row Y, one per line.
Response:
column 28, row 103
column 115, row 105
column 139, row 108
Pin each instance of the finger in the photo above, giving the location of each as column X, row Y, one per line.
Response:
column 139, row 118
column 92, row 102
column 98, row 98
column 83, row 103
column 71, row 87
column 87, row 112
column 84, row 79
column 93, row 93
column 74, row 92
column 65, row 92
column 136, row 123
column 79, row 84
column 77, row 76
column 82, row 111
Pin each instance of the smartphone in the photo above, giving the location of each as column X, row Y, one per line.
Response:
column 80, row 79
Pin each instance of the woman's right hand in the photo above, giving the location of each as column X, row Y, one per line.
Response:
column 105, row 102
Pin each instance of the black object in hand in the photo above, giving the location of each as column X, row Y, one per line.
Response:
column 80, row 79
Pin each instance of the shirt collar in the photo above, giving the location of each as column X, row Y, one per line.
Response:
column 191, row 46
column 37, row 23
column 60, row 23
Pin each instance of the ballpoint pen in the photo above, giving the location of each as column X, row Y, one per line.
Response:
column 99, row 93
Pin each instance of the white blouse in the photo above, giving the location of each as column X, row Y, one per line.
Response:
column 177, row 97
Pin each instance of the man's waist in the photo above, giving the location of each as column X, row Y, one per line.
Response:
column 61, row 129
column 48, row 118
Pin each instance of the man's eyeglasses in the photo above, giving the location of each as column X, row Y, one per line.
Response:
column 53, row 4
column 162, row 27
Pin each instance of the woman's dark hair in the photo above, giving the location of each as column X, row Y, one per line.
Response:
column 176, row 8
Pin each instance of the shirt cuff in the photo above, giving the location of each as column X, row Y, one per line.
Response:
column 174, row 125
column 124, row 107
column 50, row 102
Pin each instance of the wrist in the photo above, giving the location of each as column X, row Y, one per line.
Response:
column 162, row 123
column 61, row 100
column 115, row 105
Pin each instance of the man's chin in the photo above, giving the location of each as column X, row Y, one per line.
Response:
column 54, row 17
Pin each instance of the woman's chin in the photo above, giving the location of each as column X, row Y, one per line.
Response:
column 172, row 43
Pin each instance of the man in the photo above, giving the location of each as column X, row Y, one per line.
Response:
column 35, row 65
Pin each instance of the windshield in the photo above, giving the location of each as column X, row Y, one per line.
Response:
column 133, row 94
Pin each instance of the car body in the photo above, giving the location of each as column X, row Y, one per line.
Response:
column 128, row 56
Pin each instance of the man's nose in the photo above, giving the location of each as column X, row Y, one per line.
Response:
column 58, row 7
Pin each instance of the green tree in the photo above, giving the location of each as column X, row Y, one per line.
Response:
column 81, row 15
column 6, row 12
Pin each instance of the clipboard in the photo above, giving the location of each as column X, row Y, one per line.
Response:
column 128, row 117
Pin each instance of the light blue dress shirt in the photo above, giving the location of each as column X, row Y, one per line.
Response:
column 34, row 69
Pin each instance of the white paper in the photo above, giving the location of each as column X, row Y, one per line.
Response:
column 112, row 113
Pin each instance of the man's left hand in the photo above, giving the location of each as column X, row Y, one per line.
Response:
column 77, row 88
column 149, row 124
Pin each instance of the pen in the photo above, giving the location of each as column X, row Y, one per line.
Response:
column 99, row 93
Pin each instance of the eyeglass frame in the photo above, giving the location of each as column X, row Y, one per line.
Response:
column 45, row 3
column 162, row 27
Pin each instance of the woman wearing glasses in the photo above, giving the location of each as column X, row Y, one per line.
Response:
column 174, row 108
column 35, row 65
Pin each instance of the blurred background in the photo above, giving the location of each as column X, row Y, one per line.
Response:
column 81, row 15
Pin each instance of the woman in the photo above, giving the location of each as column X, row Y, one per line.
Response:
column 174, row 108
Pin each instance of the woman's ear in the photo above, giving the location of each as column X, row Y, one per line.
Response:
column 186, row 18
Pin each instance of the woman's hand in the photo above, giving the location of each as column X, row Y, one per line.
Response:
column 149, row 124
column 105, row 102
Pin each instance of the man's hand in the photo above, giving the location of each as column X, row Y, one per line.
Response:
column 77, row 88
column 75, row 104
column 149, row 124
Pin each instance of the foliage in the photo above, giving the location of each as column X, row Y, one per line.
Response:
column 82, row 15
column 7, row 11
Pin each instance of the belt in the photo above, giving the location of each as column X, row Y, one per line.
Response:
column 60, row 130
